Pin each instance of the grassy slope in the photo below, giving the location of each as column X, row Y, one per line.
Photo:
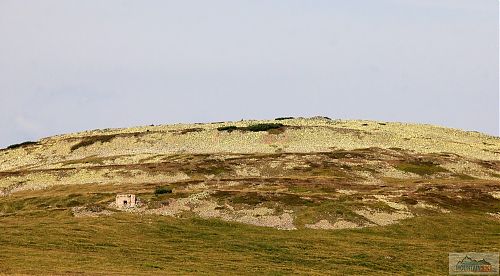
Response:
column 60, row 243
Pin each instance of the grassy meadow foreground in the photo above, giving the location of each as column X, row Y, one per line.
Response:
column 310, row 196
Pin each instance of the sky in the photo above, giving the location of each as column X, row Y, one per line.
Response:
column 69, row 65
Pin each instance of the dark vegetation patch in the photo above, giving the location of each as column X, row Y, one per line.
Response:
column 263, row 127
column 409, row 200
column 463, row 176
column 476, row 194
column 206, row 169
column 422, row 168
column 325, row 169
column 154, row 200
column 341, row 208
column 151, row 265
column 90, row 160
column 467, row 198
column 22, row 145
column 228, row 128
column 163, row 190
column 284, row 118
column 349, row 154
column 255, row 128
column 492, row 165
column 256, row 198
column 250, row 198
column 190, row 130
column 292, row 199
column 446, row 201
column 87, row 141
column 372, row 153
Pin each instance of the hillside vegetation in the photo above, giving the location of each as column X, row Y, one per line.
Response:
column 312, row 196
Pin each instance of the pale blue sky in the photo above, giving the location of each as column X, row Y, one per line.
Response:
column 68, row 65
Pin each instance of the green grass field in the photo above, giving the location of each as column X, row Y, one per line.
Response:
column 55, row 242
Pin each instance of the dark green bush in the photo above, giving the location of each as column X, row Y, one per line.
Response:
column 283, row 118
column 264, row 127
column 163, row 190
column 189, row 130
column 20, row 145
column 255, row 128
column 227, row 128
column 87, row 141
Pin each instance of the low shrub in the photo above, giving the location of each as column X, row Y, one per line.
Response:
column 163, row 190
column 263, row 127
column 283, row 118
column 254, row 128
column 227, row 128
column 20, row 145
column 190, row 130
column 87, row 141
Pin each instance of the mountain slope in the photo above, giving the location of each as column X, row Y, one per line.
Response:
column 359, row 178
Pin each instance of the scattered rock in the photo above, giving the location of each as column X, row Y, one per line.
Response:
column 394, row 205
column 344, row 224
column 282, row 222
column 347, row 192
column 495, row 194
column 383, row 218
column 495, row 215
column 424, row 205
column 322, row 224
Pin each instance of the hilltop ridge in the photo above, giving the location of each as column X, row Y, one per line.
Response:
column 300, row 135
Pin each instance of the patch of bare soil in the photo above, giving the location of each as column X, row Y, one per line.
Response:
column 425, row 205
column 201, row 205
column 269, row 219
column 383, row 218
column 392, row 204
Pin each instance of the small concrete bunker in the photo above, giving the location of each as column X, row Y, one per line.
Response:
column 125, row 201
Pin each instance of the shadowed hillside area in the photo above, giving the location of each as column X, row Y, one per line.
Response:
column 291, row 195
